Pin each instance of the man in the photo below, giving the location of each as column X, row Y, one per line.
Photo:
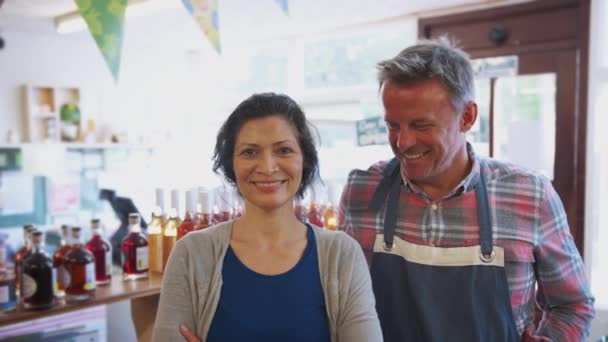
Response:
column 459, row 246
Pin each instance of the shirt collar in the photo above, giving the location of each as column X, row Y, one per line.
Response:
column 467, row 184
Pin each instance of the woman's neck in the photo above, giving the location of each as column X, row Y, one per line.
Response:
column 261, row 227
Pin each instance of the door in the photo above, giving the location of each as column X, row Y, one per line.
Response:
column 535, row 116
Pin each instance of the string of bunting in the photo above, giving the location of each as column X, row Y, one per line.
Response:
column 105, row 20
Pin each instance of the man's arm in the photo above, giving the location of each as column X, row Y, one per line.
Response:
column 563, row 290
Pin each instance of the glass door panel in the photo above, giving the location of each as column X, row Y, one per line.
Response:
column 524, row 121
column 479, row 135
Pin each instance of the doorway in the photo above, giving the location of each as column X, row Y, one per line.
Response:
column 533, row 113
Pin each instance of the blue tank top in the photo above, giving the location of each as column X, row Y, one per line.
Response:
column 284, row 307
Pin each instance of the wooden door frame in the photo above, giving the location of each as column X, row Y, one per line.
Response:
column 576, row 40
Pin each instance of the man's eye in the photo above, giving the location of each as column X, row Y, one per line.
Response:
column 391, row 126
column 422, row 125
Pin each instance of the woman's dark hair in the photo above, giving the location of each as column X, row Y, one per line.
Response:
column 259, row 106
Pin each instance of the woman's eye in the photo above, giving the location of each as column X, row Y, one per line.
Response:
column 247, row 152
column 285, row 150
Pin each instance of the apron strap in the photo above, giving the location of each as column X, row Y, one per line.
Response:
column 485, row 224
column 390, row 186
column 390, row 171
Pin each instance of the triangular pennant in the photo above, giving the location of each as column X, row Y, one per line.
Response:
column 105, row 20
column 284, row 4
column 206, row 15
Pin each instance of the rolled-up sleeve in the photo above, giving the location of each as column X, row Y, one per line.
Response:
column 563, row 289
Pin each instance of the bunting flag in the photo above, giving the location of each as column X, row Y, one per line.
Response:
column 105, row 20
column 284, row 4
column 206, row 15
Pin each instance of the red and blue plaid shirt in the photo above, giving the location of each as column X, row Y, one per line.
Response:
column 528, row 221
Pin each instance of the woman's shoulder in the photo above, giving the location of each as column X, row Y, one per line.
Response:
column 201, row 241
column 336, row 241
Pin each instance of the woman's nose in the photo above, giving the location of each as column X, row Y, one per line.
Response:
column 268, row 163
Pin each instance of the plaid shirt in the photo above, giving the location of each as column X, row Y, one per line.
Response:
column 528, row 221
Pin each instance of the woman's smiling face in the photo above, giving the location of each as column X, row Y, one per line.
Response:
column 268, row 163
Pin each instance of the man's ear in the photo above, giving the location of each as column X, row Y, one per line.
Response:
column 468, row 116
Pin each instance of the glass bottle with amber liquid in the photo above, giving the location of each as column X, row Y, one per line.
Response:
column 330, row 210
column 102, row 252
column 155, row 233
column 204, row 212
column 187, row 225
column 170, row 232
column 22, row 252
column 134, row 251
column 63, row 277
column 37, row 276
column 80, row 264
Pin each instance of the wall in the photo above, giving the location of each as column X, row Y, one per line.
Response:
column 596, row 207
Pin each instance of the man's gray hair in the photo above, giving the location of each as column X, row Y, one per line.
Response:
column 432, row 59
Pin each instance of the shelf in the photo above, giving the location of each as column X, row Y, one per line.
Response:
column 117, row 290
column 81, row 146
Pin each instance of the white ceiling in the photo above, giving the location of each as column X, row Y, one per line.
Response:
column 258, row 19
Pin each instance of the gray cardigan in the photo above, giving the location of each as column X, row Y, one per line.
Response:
column 193, row 279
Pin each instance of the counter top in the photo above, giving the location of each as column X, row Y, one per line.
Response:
column 116, row 291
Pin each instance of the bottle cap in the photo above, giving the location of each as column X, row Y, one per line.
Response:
column 36, row 237
column 160, row 199
column 134, row 218
column 205, row 201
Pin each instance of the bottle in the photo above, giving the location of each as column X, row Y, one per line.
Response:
column 8, row 294
column 155, row 233
column 80, row 264
column 187, row 225
column 330, row 211
column 314, row 215
column 22, row 252
column 204, row 215
column 63, row 277
column 102, row 252
column 37, row 276
column 134, row 251
column 224, row 202
column 170, row 232
column 300, row 210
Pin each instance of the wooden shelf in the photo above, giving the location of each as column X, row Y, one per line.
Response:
column 117, row 290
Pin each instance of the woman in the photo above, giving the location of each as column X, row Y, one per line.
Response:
column 267, row 276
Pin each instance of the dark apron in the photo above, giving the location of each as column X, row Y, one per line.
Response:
column 429, row 300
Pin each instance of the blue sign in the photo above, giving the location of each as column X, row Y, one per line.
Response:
column 372, row 131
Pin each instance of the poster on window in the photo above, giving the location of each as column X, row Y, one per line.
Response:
column 64, row 195
column 371, row 131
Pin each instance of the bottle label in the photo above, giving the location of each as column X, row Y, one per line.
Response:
column 63, row 277
column 108, row 263
column 28, row 286
column 89, row 283
column 141, row 262
column 4, row 296
column 54, row 280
